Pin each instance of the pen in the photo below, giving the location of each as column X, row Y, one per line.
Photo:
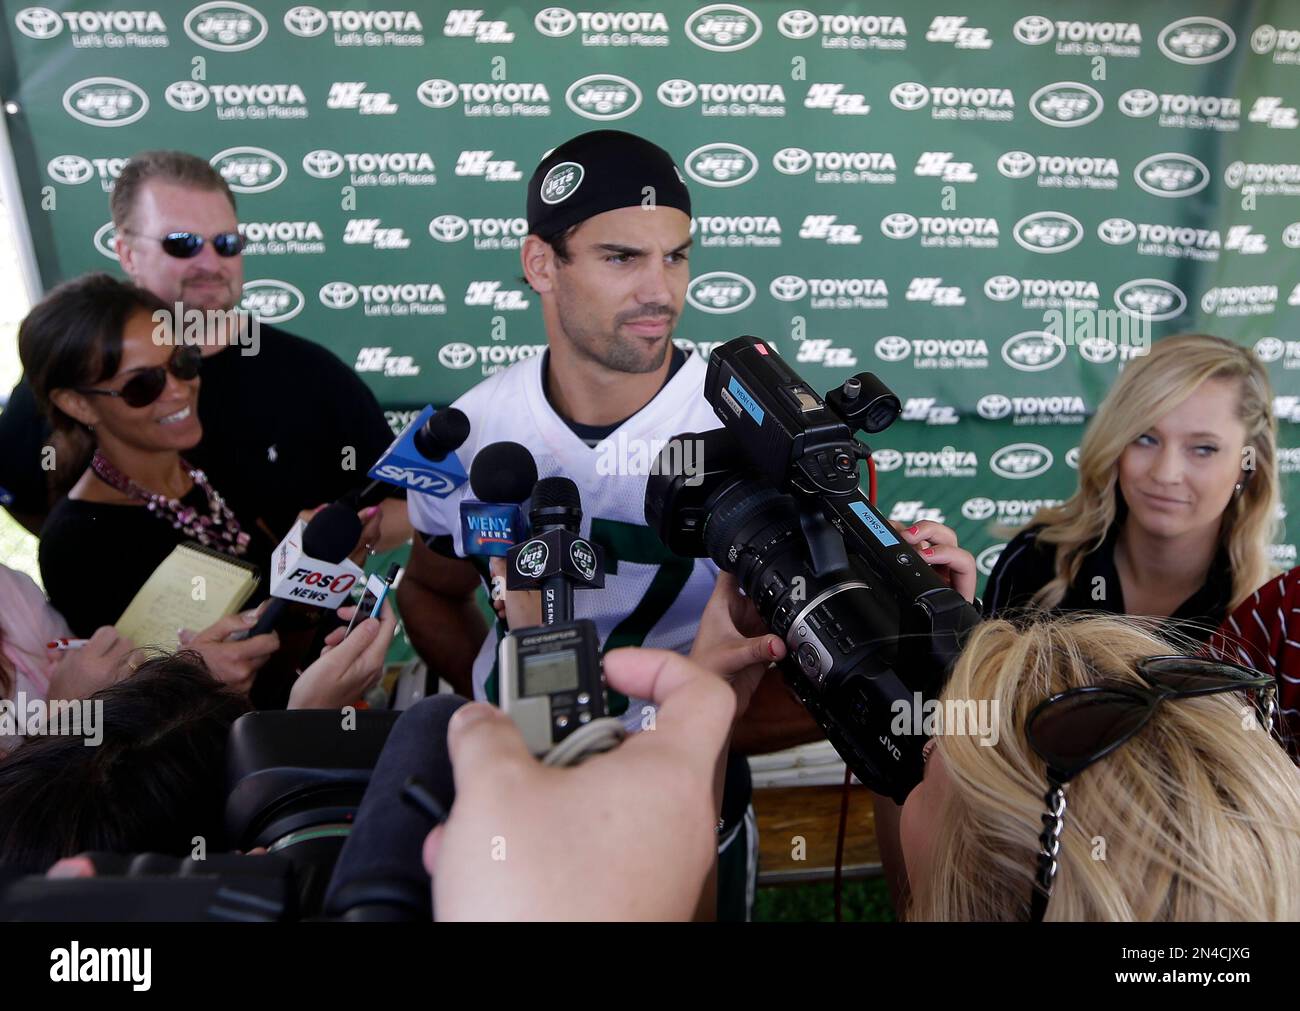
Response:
column 59, row 645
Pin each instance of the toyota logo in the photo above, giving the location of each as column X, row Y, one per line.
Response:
column 898, row 225
column 457, row 355
column 979, row 508
column 187, row 96
column 105, row 239
column 437, row 93
column 555, row 22
column 1269, row 349
column 788, row 288
column 1016, row 164
column 1002, row 288
column 1072, row 458
column 1032, row 30
column 38, row 22
column 338, row 294
column 887, row 459
column 1291, row 235
column 1138, row 102
column 1117, row 231
column 448, row 228
column 1098, row 350
column 909, row 96
column 71, row 169
column 893, row 348
column 994, row 407
column 792, row 161
column 677, row 93
column 322, row 164
column 304, row 21
column 797, row 24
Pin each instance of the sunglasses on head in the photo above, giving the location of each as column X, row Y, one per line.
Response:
column 185, row 245
column 146, row 385
column 1075, row 729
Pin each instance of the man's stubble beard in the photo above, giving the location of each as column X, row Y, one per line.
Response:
column 610, row 350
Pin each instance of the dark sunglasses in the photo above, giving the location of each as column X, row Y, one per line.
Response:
column 1075, row 729
column 185, row 245
column 146, row 385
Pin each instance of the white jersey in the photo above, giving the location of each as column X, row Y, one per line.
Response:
column 651, row 597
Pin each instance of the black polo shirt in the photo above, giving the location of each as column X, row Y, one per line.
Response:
column 1026, row 565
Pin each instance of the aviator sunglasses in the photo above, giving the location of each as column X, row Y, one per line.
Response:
column 147, row 384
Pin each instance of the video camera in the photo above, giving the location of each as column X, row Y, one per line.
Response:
column 776, row 501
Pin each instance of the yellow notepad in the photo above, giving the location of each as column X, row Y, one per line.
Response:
column 192, row 588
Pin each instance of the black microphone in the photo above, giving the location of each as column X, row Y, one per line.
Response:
column 440, row 436
column 557, row 505
column 380, row 872
column 501, row 477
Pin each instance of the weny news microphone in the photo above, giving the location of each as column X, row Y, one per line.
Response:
column 423, row 457
column 555, row 559
column 501, row 477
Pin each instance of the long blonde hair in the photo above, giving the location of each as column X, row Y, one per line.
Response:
column 1149, row 388
column 1195, row 818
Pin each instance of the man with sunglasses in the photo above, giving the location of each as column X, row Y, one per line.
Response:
column 178, row 237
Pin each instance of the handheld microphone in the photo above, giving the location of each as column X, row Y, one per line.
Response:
column 422, row 458
column 501, row 477
column 310, row 565
column 555, row 559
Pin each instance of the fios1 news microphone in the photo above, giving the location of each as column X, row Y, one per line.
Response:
column 555, row 559
column 422, row 458
column 311, row 564
column 501, row 477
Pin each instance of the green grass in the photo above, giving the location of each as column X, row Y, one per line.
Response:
column 861, row 902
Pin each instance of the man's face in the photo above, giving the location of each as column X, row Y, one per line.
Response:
column 205, row 281
column 622, row 291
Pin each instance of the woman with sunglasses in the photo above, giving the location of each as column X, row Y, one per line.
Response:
column 1176, row 502
column 123, row 405
column 1124, row 785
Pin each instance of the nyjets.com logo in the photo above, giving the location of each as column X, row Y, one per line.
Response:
column 934, row 353
column 104, row 240
column 352, row 28
column 251, row 102
column 353, row 95
column 994, row 105
column 250, row 169
column 724, row 28
column 278, row 238
column 1043, row 292
column 604, row 28
column 1010, row 512
column 105, row 101
column 490, row 357
column 933, row 291
column 1177, row 241
column 603, row 97
column 370, row 232
column 1089, row 172
column 1182, row 111
column 1149, row 298
column 1065, row 104
column 271, row 301
column 754, row 231
column 749, row 99
column 483, row 165
column 372, row 168
column 1269, row 111
column 1240, row 300
column 488, row 233
column 821, row 351
column 1050, row 410
column 827, row 228
column 927, row 410
column 837, row 166
column 491, row 295
column 1171, row 175
column 1196, row 40
column 1048, row 232
column 1283, row 43
column 495, row 99
column 138, row 29
column 1265, row 179
column 1021, row 461
column 940, row 165
column 1080, row 38
column 858, row 32
column 225, row 27
column 949, row 233
column 833, row 98
column 73, row 170
column 1033, row 351
column 832, row 292
column 721, row 164
column 955, row 32
column 383, row 360
column 470, row 24
column 908, row 511
column 988, row 558
column 409, row 299
column 720, row 292
column 1291, row 235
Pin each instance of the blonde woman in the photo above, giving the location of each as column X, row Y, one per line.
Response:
column 1176, row 501
column 1178, row 807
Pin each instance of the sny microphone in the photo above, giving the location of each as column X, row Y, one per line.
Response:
column 555, row 558
column 501, row 477
column 422, row 458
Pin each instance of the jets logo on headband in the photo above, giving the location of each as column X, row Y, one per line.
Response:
column 561, row 182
